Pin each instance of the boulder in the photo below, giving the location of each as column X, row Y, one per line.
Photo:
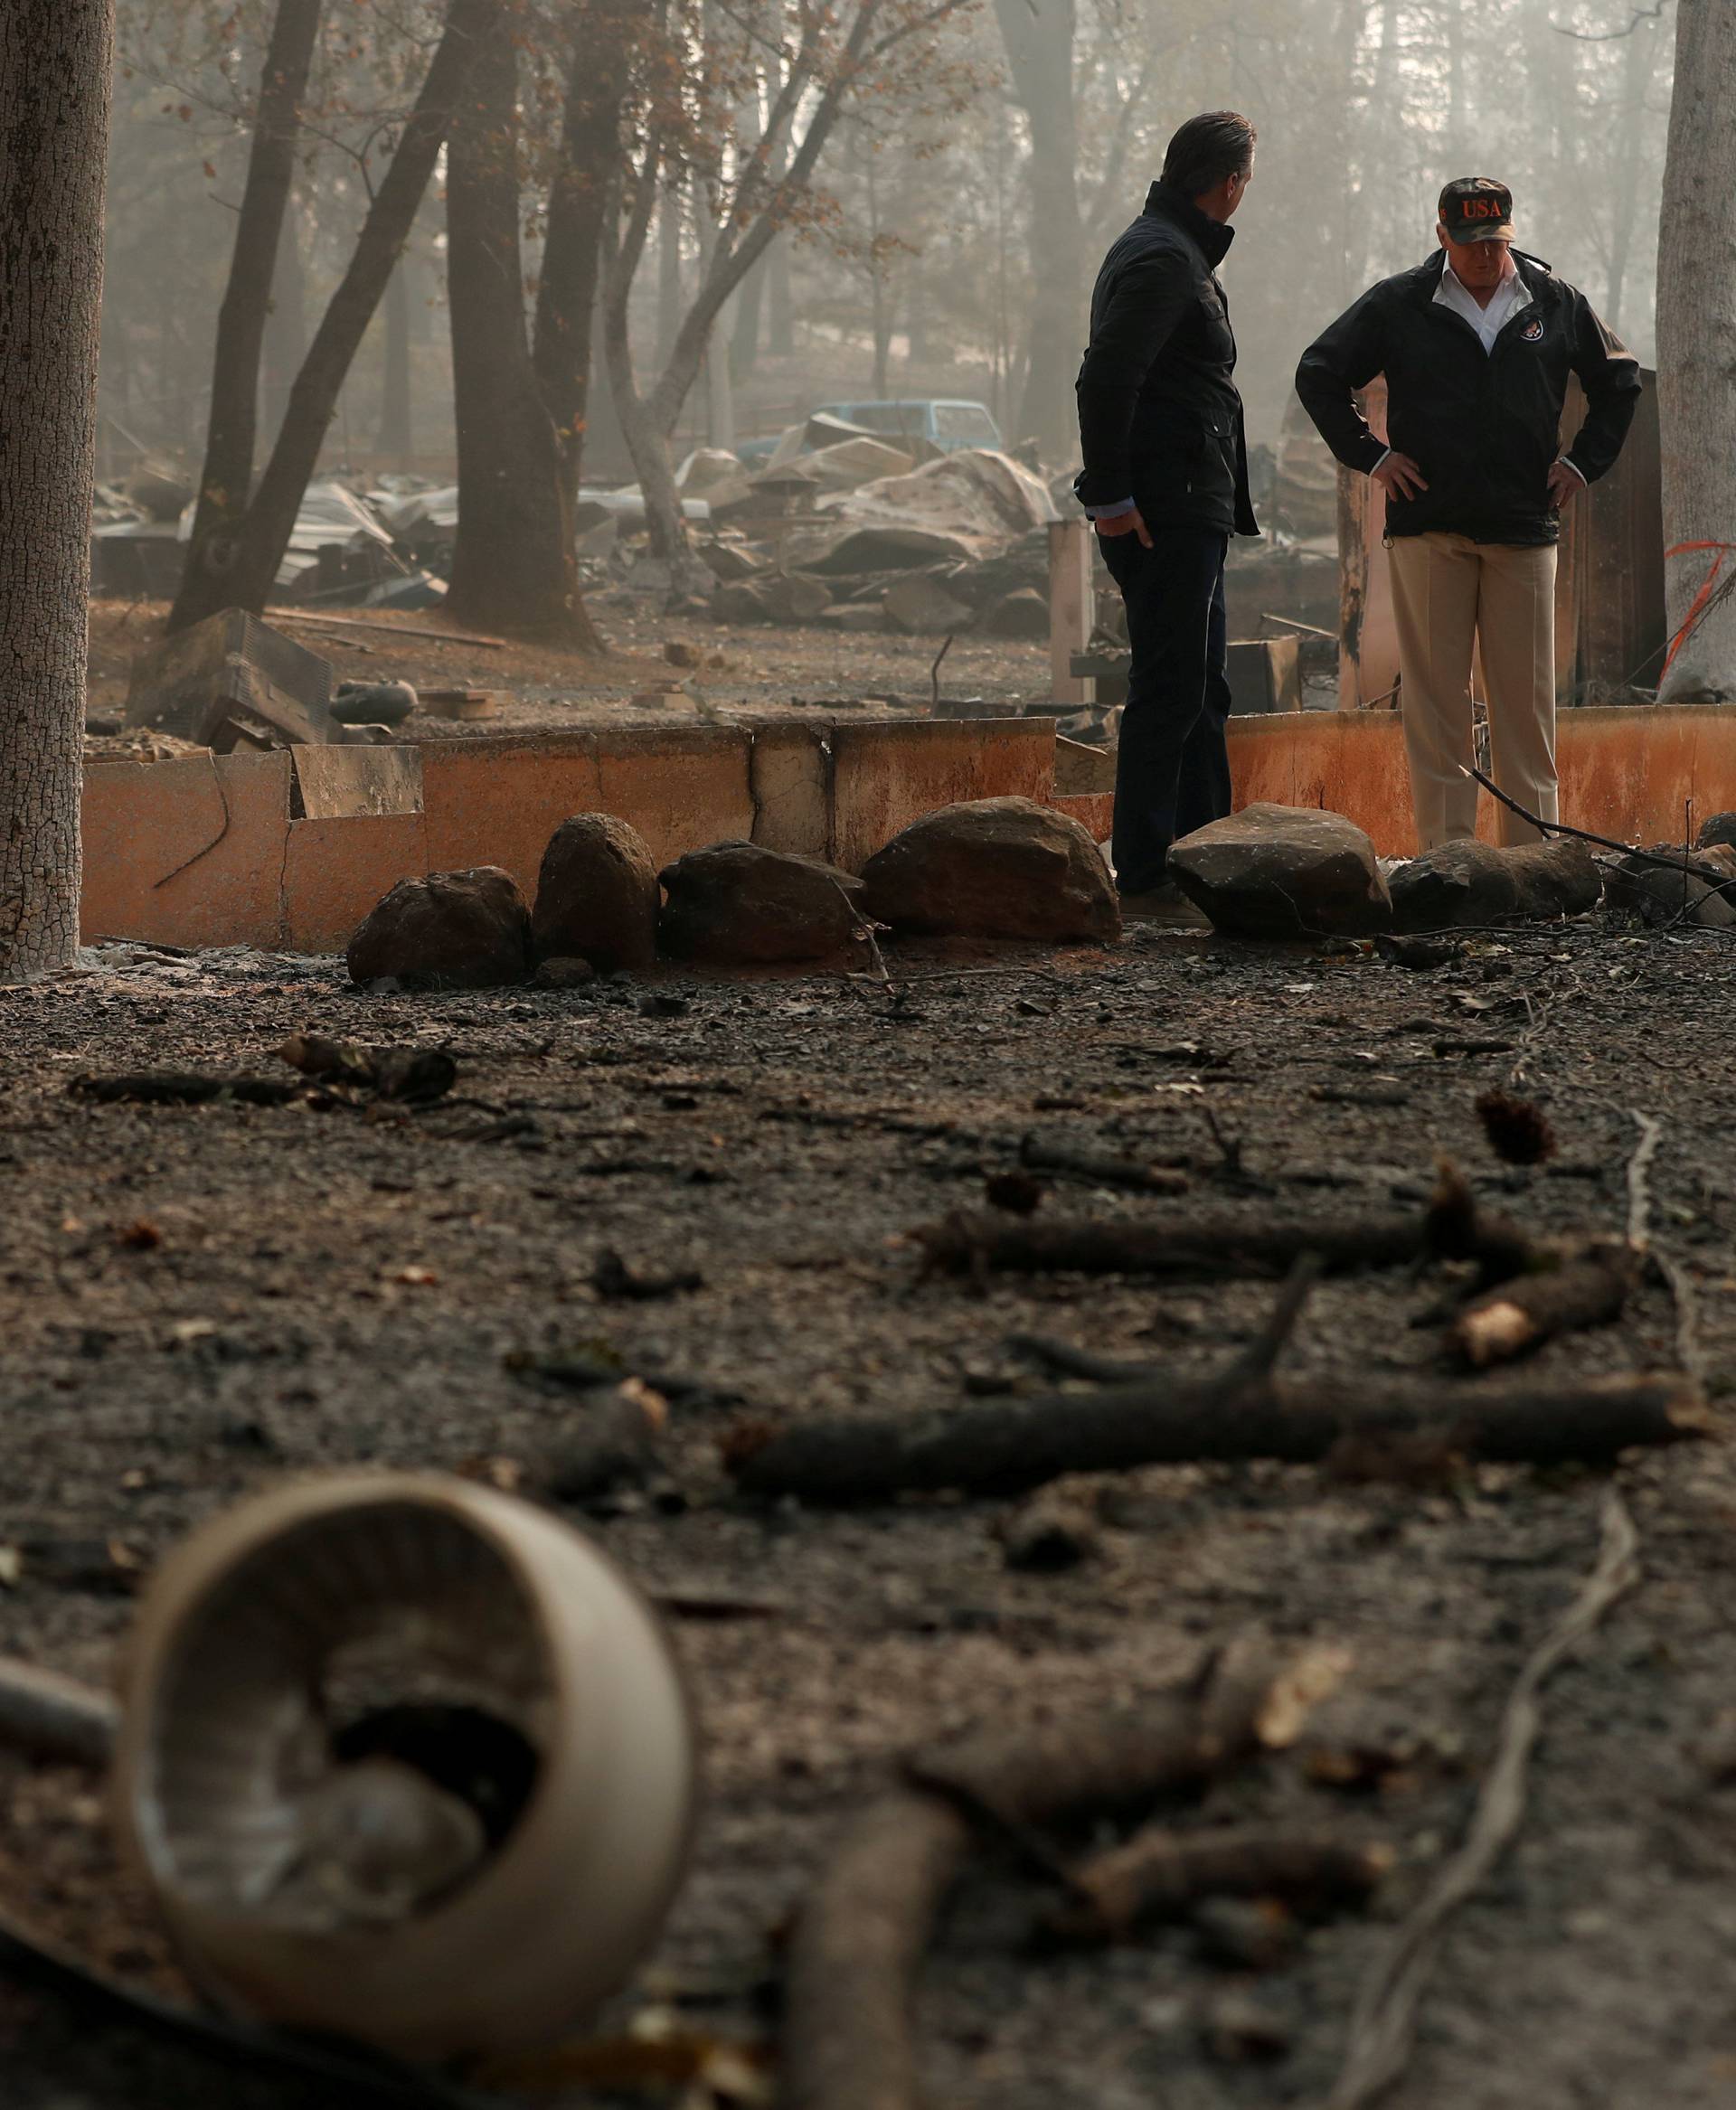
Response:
column 1556, row 879
column 921, row 606
column 1283, row 871
column 597, row 895
column 451, row 930
column 1474, row 883
column 1719, row 828
column 995, row 867
column 1022, row 614
column 735, row 904
column 1456, row 884
column 1694, row 892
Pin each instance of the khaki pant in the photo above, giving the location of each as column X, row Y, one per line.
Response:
column 1449, row 596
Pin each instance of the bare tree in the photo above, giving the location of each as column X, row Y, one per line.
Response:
column 513, row 568
column 55, row 61
column 1696, row 357
column 751, row 191
column 262, row 535
column 228, row 477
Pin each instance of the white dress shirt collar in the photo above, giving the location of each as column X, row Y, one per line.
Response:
column 1509, row 297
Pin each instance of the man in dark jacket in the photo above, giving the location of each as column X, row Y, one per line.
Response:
column 1476, row 345
column 1165, row 480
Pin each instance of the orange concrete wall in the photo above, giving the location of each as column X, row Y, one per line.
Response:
column 291, row 849
column 1627, row 773
column 883, row 776
column 255, row 849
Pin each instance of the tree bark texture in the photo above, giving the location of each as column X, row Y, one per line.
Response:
column 1696, row 357
column 512, row 569
column 263, row 535
column 1039, row 54
column 598, row 78
column 232, row 430
column 55, row 60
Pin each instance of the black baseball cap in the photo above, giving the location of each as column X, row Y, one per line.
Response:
column 1477, row 209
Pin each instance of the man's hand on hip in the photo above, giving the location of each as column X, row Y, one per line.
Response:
column 1126, row 524
column 1400, row 475
column 1565, row 484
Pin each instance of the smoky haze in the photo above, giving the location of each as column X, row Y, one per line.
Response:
column 956, row 218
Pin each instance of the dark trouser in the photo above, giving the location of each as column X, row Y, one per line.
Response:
column 1173, row 773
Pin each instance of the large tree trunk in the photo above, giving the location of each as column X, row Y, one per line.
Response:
column 55, row 60
column 1696, row 357
column 230, row 436
column 1039, row 53
column 513, row 568
column 264, row 534
column 597, row 78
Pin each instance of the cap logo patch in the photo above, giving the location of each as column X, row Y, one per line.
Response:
column 1481, row 209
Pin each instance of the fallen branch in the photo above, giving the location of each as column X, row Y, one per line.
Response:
column 1004, row 1447
column 175, row 1088
column 1547, row 828
column 1159, row 1873
column 1519, row 1317
column 1101, row 1167
column 1383, row 2026
column 55, row 1718
column 860, row 1936
column 1639, row 1189
column 1452, row 1228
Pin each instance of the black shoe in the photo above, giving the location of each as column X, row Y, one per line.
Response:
column 1163, row 900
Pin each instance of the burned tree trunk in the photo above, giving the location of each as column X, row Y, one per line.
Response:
column 599, row 73
column 263, row 536
column 512, row 569
column 228, row 476
column 54, row 85
column 1696, row 358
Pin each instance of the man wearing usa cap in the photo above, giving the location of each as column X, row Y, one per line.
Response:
column 1476, row 345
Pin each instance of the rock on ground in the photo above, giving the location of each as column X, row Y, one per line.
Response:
column 1701, row 889
column 1283, row 871
column 995, row 867
column 1468, row 883
column 451, row 930
column 735, row 904
column 597, row 895
column 1556, row 879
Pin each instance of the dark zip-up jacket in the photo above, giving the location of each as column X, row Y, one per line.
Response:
column 1159, row 417
column 1483, row 427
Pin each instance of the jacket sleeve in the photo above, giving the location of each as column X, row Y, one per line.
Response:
column 1340, row 361
column 1609, row 374
column 1139, row 319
